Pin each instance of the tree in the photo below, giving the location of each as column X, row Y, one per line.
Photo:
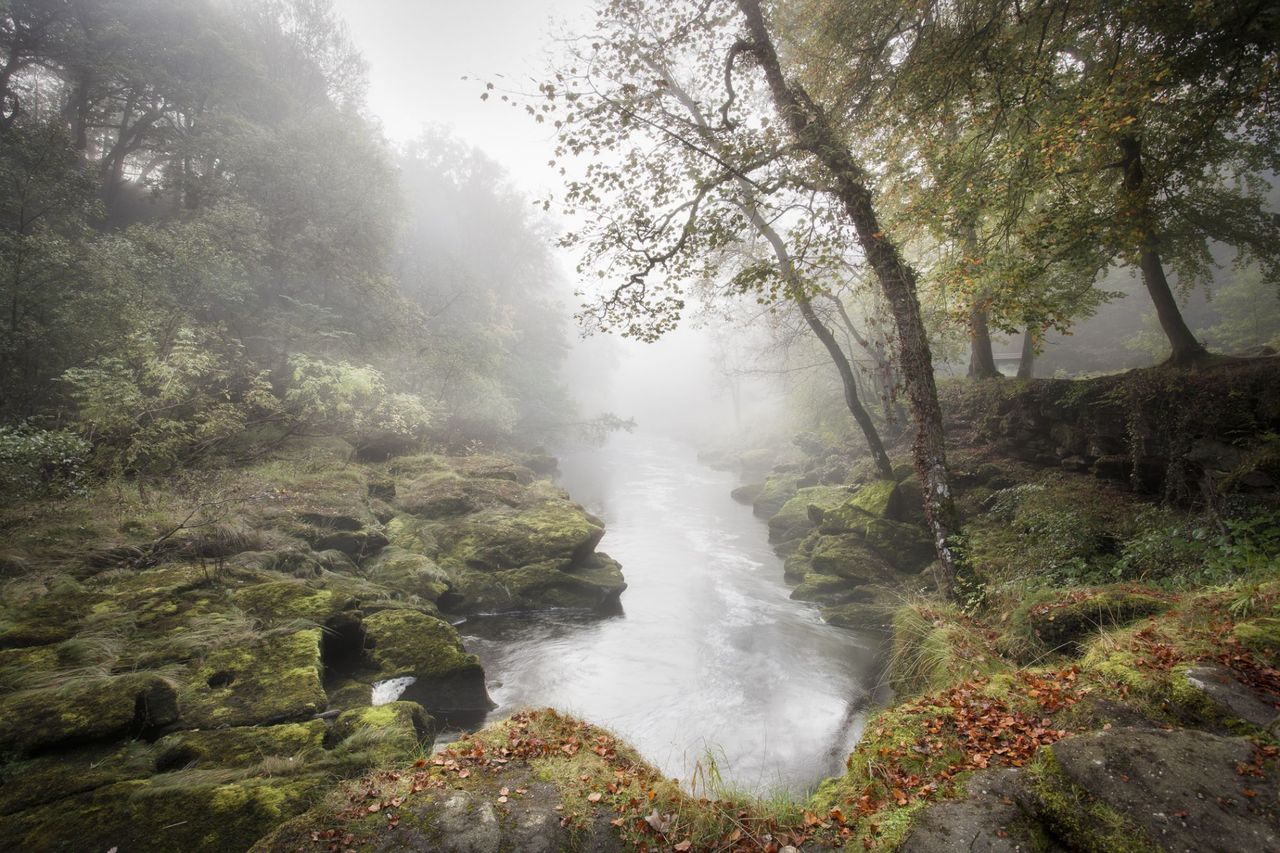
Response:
column 1116, row 132
column 677, row 194
column 929, row 99
column 846, row 180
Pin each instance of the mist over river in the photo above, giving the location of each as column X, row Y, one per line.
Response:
column 710, row 657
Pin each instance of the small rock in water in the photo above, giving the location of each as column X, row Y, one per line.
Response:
column 390, row 690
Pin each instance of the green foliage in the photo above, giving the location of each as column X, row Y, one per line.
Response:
column 353, row 401
column 1056, row 531
column 36, row 462
column 160, row 403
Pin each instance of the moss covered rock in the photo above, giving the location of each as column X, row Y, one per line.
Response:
column 848, row 556
column 67, row 772
column 402, row 643
column 554, row 529
column 241, row 746
column 825, row 589
column 906, row 547
column 411, row 534
column 879, row 498
column 794, row 519
column 98, row 709
column 1064, row 624
column 775, row 492
column 188, row 811
column 592, row 584
column 445, row 494
column 274, row 680
column 407, row 573
column 399, row 730
column 1149, row 789
column 491, row 467
column 282, row 601
column 1261, row 636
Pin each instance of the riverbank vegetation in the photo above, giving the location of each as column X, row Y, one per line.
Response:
column 274, row 398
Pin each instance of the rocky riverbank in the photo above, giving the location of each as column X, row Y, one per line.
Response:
column 1111, row 681
column 184, row 666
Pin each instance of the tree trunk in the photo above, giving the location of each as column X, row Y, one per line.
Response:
column 848, row 379
column 850, row 383
column 814, row 134
column 1185, row 348
column 795, row 285
column 1027, row 364
column 982, row 362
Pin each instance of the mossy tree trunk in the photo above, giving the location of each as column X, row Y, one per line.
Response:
column 814, row 133
column 1185, row 348
column 1027, row 364
column 982, row 362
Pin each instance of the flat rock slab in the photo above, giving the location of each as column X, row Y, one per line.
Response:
column 988, row 819
column 1234, row 698
column 1186, row 788
column 457, row 821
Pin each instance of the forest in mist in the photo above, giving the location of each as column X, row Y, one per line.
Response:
column 915, row 360
column 207, row 245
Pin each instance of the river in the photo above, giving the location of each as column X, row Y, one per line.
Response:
column 710, row 663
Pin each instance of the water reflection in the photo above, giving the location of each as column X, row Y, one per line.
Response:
column 709, row 658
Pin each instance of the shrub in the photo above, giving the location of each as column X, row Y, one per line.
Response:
column 36, row 462
column 161, row 404
column 353, row 401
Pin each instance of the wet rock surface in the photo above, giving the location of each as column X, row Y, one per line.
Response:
column 196, row 693
column 1118, row 789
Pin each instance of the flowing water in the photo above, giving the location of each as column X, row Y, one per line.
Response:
column 710, row 661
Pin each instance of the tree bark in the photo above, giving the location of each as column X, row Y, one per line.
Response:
column 982, row 362
column 1027, row 364
column 795, row 285
column 848, row 379
column 1185, row 348
column 813, row 133
column 850, row 383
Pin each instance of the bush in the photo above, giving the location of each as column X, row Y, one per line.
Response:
column 159, row 405
column 36, row 462
column 353, row 401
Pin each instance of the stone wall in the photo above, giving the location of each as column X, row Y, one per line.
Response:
column 1160, row 431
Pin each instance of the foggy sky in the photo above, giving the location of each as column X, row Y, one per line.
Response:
column 418, row 51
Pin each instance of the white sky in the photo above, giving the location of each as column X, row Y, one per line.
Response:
column 418, row 51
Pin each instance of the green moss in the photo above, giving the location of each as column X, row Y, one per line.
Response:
column 848, row 556
column 1071, row 812
column 590, row 584
column 1261, row 636
column 824, row 589
column 411, row 534
column 164, row 814
column 1062, row 625
column 48, row 778
column 275, row 680
column 445, row 494
column 93, row 709
column 406, row 642
column 287, row 600
column 775, row 492
column 879, row 498
column 408, row 573
column 795, row 518
column 905, row 546
column 20, row 666
column 238, row 747
column 493, row 540
column 394, row 733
